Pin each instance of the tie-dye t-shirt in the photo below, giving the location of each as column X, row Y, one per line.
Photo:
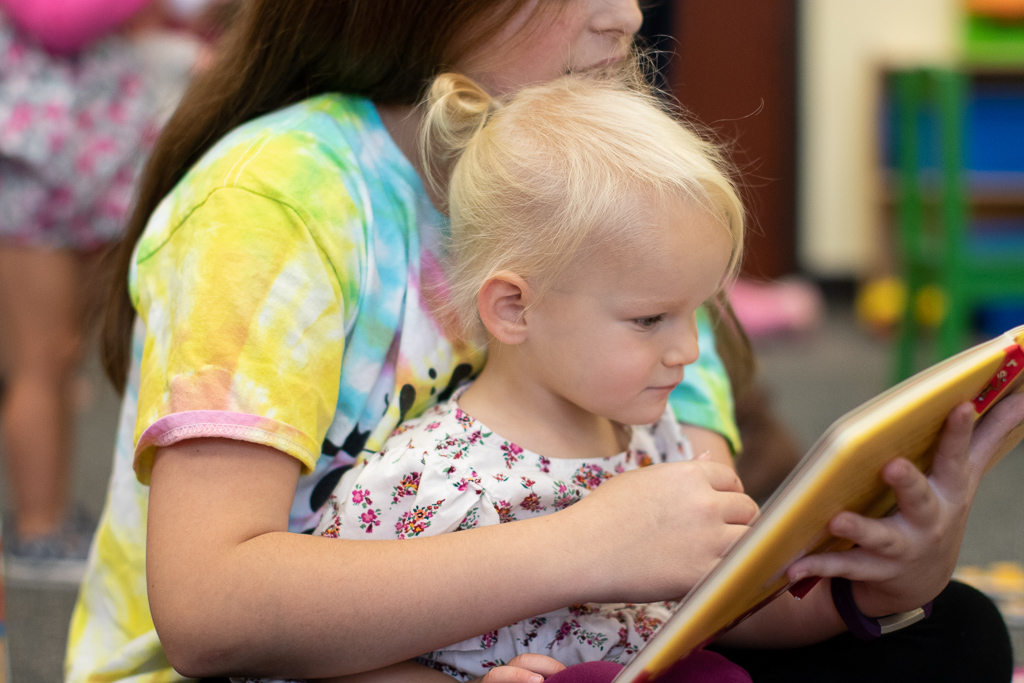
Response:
column 282, row 293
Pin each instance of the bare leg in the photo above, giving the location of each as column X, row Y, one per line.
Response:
column 41, row 320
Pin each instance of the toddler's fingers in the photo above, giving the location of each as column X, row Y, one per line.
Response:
column 738, row 508
column 525, row 668
column 721, row 477
column 875, row 536
column 855, row 564
column 951, row 457
column 537, row 663
column 511, row 674
column 1006, row 416
column 917, row 501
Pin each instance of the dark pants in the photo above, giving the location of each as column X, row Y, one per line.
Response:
column 964, row 640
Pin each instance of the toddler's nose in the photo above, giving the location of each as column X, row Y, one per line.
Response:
column 686, row 349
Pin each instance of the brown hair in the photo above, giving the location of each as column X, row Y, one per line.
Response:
column 732, row 344
column 276, row 53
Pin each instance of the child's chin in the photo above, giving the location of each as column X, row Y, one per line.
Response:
column 642, row 418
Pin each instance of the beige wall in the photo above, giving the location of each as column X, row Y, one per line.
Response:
column 845, row 44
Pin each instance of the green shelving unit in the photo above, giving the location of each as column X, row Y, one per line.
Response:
column 994, row 42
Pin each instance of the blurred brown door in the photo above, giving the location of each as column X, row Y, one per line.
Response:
column 735, row 70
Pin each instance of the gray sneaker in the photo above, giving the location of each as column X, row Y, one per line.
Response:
column 57, row 558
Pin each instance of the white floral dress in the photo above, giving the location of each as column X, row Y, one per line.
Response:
column 445, row 471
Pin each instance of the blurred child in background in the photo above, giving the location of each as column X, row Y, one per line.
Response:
column 79, row 110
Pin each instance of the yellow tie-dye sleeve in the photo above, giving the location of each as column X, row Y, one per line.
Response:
column 705, row 399
column 245, row 330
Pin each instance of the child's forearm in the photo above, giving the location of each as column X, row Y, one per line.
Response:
column 64, row 26
column 326, row 606
column 788, row 622
column 403, row 672
column 243, row 596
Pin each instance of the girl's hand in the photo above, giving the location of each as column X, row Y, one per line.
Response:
column 905, row 560
column 527, row 668
column 655, row 531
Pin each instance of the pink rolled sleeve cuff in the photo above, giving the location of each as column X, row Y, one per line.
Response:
column 224, row 424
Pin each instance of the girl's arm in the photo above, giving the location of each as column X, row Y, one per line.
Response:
column 899, row 562
column 65, row 26
column 231, row 592
column 705, row 441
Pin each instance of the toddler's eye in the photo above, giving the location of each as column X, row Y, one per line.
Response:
column 648, row 322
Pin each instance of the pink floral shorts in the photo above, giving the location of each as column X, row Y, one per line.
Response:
column 74, row 133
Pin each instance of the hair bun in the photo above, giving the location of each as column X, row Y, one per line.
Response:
column 457, row 110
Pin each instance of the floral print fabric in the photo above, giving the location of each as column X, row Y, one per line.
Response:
column 74, row 133
column 445, row 472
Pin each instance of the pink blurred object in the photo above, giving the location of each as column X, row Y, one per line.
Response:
column 700, row 667
column 781, row 306
column 66, row 26
column 587, row 672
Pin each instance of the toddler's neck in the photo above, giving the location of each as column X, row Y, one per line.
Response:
column 531, row 416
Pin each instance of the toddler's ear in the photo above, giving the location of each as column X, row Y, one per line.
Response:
column 502, row 303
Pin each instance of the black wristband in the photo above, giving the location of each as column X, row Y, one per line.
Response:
column 865, row 627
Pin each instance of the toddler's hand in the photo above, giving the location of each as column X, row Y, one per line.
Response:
column 905, row 560
column 650, row 534
column 527, row 668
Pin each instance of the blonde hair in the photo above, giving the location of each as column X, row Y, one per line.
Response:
column 540, row 179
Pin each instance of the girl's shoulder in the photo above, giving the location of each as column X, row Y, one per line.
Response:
column 296, row 154
column 327, row 161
